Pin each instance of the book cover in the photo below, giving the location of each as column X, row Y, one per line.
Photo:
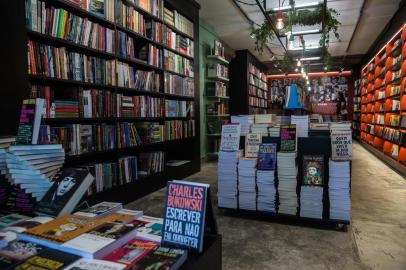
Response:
column 131, row 252
column 100, row 241
column 94, row 264
column 100, row 210
column 48, row 259
column 30, row 120
column 12, row 219
column 341, row 145
column 97, row 7
column 162, row 258
column 17, row 251
column 267, row 157
column 66, row 192
column 22, row 226
column 313, row 170
column 288, row 138
column 123, row 216
column 148, row 228
column 185, row 214
column 230, row 137
column 252, row 142
column 60, row 230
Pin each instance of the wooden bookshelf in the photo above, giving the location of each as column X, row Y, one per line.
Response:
column 249, row 84
column 383, row 99
column 17, row 83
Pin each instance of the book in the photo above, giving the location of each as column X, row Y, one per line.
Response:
column 48, row 259
column 288, row 138
column 100, row 241
column 176, row 163
column 30, row 120
column 100, row 210
column 94, row 264
column 131, row 252
column 18, row 251
column 66, row 192
column 11, row 219
column 230, row 137
column 61, row 230
column 123, row 216
column 148, row 228
column 267, row 156
column 162, row 257
column 185, row 214
column 313, row 170
column 22, row 226
column 247, row 183
column 252, row 142
column 341, row 144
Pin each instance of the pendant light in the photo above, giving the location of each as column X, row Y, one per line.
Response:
column 279, row 18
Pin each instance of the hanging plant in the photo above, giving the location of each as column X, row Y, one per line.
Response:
column 261, row 36
column 285, row 64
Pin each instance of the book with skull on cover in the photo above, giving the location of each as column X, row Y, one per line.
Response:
column 66, row 192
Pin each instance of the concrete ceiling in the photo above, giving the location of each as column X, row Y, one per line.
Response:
column 357, row 33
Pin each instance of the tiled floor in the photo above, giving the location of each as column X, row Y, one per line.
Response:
column 375, row 240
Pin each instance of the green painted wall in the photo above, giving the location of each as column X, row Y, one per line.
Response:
column 206, row 41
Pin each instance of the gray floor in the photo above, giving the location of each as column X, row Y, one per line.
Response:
column 375, row 240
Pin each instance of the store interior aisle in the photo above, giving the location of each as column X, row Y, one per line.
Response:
column 376, row 237
column 378, row 212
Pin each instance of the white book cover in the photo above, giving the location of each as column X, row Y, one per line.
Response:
column 94, row 264
column 100, row 209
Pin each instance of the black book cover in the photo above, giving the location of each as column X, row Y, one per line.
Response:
column 64, row 190
column 18, row 251
column 48, row 259
column 160, row 258
column 313, row 170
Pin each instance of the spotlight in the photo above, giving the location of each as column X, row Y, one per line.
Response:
column 279, row 21
column 296, row 69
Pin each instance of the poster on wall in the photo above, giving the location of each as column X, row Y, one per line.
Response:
column 341, row 145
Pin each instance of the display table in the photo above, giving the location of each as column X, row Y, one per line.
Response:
column 210, row 259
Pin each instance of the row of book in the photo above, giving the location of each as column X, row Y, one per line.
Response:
column 216, row 89
column 60, row 63
column 178, row 21
column 257, row 72
column 218, row 49
column 104, row 236
column 62, row 24
column 177, row 63
column 126, row 170
column 179, row 108
column 140, row 106
column 258, row 92
column 178, row 85
column 258, row 82
column 257, row 102
column 217, row 70
column 130, row 77
column 78, row 139
column 151, row 55
column 177, row 42
column 217, row 108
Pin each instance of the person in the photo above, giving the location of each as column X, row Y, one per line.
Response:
column 342, row 106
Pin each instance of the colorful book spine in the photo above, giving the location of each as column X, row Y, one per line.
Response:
column 177, row 63
column 179, row 85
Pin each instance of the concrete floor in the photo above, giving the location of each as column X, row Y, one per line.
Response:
column 376, row 238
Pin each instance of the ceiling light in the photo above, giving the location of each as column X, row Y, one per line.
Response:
column 325, row 68
column 279, row 21
column 304, row 75
column 311, row 4
column 305, row 32
column 309, row 88
column 296, row 69
column 298, row 63
column 306, row 48
column 310, row 58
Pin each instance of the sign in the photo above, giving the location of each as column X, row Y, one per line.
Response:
column 187, row 215
column 230, row 137
column 341, row 145
column 252, row 142
column 288, row 138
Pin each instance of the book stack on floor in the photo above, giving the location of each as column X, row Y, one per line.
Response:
column 311, row 193
column 246, row 183
column 287, row 170
column 302, row 125
column 227, row 179
column 104, row 236
column 339, row 190
column 33, row 166
column 266, row 178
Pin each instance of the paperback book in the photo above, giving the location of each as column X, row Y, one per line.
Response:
column 288, row 138
column 252, row 142
column 46, row 258
column 100, row 210
column 18, row 251
column 267, row 157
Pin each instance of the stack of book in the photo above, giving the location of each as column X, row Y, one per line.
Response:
column 227, row 179
column 287, row 173
column 311, row 201
column 65, row 109
column 302, row 125
column 33, row 166
column 274, row 131
column 262, row 129
column 283, row 120
column 265, row 118
column 339, row 190
column 247, row 195
column 266, row 178
column 245, row 122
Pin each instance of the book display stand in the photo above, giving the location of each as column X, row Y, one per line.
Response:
column 158, row 49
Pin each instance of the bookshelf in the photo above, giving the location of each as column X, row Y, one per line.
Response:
column 383, row 100
column 138, row 69
column 356, row 116
column 249, row 84
column 217, row 97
